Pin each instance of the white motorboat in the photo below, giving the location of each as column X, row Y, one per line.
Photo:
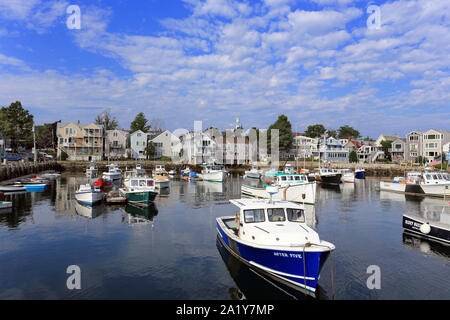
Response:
column 5, row 204
column 162, row 180
column 253, row 173
column 159, row 168
column 12, row 189
column 291, row 187
column 436, row 184
column 288, row 168
column 89, row 196
column 91, row 171
column 172, row 173
column 114, row 173
column 272, row 238
column 348, row 176
column 50, row 175
column 214, row 173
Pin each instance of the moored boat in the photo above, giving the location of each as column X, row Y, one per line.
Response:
column 253, row 173
column 114, row 173
column 348, row 176
column 91, row 171
column 88, row 196
column 328, row 176
column 162, row 180
column 360, row 173
column 12, row 188
column 214, row 173
column 139, row 191
column 273, row 238
column 291, row 187
column 434, row 184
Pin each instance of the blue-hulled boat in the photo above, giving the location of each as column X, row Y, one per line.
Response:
column 273, row 238
column 359, row 173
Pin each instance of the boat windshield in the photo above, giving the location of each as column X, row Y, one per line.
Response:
column 295, row 215
column 276, row 215
column 255, row 215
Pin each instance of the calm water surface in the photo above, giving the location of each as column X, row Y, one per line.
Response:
column 169, row 251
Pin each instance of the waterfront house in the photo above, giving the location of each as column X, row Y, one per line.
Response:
column 232, row 150
column 138, row 144
column 350, row 144
column 414, row 145
column 330, row 149
column 386, row 137
column 305, row 146
column 80, row 142
column 197, row 147
column 167, row 145
column 433, row 142
column 397, row 150
column 116, row 144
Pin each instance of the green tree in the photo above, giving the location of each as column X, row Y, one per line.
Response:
column 105, row 119
column 44, row 136
column 353, row 157
column 315, row 130
column 346, row 131
column 150, row 150
column 332, row 133
column 286, row 138
column 139, row 123
column 16, row 123
column 385, row 146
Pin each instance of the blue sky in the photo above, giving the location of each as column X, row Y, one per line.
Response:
column 212, row 60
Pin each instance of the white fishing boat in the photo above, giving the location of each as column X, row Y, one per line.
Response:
column 114, row 173
column 288, row 168
column 435, row 184
column 162, row 180
column 253, row 173
column 272, row 238
column 91, row 171
column 213, row 172
column 291, row 187
column 348, row 176
column 172, row 173
column 88, row 196
column 159, row 168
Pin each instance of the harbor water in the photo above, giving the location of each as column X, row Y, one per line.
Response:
column 169, row 250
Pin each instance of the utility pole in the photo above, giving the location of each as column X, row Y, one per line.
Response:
column 34, row 144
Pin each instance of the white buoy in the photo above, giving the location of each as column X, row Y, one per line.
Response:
column 425, row 228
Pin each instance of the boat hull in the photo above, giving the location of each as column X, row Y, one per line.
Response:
column 218, row 176
column 35, row 187
column 139, row 197
column 302, row 193
column 359, row 174
column 285, row 266
column 162, row 184
column 329, row 178
column 437, row 231
column 432, row 190
column 89, row 198
column 253, row 175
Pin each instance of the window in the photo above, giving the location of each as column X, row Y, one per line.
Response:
column 283, row 178
column 295, row 215
column 134, row 183
column 256, row 215
column 275, row 215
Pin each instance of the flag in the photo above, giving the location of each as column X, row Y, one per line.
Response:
column 435, row 162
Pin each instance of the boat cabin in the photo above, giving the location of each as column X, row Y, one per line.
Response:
column 275, row 223
column 212, row 167
column 279, row 178
column 160, row 167
column 140, row 182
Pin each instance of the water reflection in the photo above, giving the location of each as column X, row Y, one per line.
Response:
column 90, row 212
column 434, row 248
column 254, row 286
column 136, row 215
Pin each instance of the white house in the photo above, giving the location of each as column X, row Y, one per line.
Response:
column 138, row 143
column 167, row 145
column 197, row 147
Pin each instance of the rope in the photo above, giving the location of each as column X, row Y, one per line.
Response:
column 309, row 244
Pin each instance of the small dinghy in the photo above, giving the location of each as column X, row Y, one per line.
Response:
column 273, row 238
column 12, row 189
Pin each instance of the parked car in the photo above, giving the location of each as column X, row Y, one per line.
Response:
column 11, row 157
